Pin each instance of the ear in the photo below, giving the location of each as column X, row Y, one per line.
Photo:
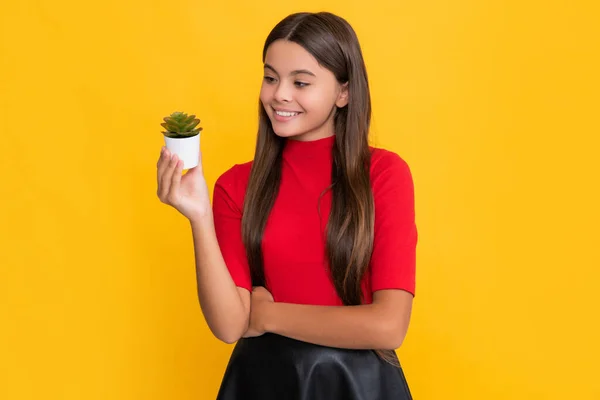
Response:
column 342, row 100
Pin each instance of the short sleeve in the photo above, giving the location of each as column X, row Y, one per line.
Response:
column 393, row 262
column 227, row 211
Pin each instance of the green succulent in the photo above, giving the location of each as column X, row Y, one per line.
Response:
column 180, row 125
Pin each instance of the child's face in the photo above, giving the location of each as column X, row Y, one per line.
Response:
column 295, row 82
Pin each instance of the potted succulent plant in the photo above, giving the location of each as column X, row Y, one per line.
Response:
column 182, row 137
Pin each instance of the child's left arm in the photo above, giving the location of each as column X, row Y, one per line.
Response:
column 380, row 325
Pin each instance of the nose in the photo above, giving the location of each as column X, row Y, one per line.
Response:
column 283, row 92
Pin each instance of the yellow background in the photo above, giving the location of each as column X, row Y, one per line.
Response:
column 493, row 104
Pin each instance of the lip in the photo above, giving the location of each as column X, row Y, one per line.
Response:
column 284, row 110
column 280, row 118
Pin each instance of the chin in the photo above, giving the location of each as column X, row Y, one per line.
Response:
column 286, row 134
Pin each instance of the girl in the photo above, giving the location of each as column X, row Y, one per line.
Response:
column 307, row 257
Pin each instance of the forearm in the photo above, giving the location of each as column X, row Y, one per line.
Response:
column 218, row 295
column 352, row 327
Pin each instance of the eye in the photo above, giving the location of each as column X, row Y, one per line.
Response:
column 269, row 79
column 301, row 84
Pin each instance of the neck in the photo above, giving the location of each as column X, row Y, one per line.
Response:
column 309, row 149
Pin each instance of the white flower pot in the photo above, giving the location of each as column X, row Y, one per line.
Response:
column 187, row 149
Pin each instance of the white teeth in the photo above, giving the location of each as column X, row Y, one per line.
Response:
column 286, row 114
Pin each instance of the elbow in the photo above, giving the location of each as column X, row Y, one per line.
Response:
column 229, row 339
column 395, row 341
column 393, row 311
column 230, row 334
column 393, row 335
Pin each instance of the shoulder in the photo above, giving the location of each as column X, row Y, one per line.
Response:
column 388, row 166
column 234, row 181
column 235, row 174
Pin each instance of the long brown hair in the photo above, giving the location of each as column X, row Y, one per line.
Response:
column 333, row 42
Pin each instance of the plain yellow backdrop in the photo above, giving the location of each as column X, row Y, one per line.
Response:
column 494, row 105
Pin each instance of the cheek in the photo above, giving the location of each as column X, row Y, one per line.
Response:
column 266, row 94
column 317, row 102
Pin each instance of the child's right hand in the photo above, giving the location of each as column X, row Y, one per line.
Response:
column 188, row 193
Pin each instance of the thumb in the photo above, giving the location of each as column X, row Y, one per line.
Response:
column 197, row 173
column 176, row 180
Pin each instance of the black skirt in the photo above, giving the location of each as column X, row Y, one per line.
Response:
column 274, row 367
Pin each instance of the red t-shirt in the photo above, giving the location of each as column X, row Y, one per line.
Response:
column 295, row 265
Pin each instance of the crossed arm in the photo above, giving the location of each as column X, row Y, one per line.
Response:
column 380, row 325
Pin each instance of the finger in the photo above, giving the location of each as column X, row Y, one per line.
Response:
column 168, row 178
column 162, row 151
column 167, row 175
column 176, row 178
column 159, row 166
column 163, row 163
column 256, row 290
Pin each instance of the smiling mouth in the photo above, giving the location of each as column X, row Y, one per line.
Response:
column 284, row 116
column 286, row 113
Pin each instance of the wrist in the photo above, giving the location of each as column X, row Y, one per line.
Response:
column 202, row 220
column 269, row 317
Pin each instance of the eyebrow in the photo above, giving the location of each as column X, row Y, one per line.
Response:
column 295, row 72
